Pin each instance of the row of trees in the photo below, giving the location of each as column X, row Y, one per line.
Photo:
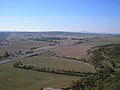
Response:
column 48, row 70
column 7, row 55
column 48, row 39
column 73, row 58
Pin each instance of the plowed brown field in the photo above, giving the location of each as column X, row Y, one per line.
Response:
column 74, row 51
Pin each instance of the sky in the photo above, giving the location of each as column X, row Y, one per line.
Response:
column 100, row 16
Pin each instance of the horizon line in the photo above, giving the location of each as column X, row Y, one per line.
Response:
column 84, row 32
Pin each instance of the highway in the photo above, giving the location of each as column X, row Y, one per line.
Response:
column 25, row 55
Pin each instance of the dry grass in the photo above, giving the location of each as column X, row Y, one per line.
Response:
column 67, row 42
column 74, row 51
column 23, row 45
column 45, row 47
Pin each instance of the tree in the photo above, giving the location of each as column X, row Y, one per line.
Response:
column 41, row 88
column 20, row 52
column 16, row 64
column 20, row 63
column 77, row 85
column 0, row 57
column 7, row 54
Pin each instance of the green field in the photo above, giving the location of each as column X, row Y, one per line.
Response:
column 18, row 79
column 1, row 54
column 58, row 63
column 47, row 54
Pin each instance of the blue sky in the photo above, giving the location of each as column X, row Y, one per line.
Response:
column 60, row 15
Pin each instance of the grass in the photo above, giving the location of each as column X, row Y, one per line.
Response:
column 102, row 41
column 47, row 54
column 21, row 45
column 18, row 79
column 58, row 63
column 1, row 54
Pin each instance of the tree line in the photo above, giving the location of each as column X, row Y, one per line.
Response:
column 19, row 64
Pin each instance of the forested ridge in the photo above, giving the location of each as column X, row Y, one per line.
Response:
column 106, row 59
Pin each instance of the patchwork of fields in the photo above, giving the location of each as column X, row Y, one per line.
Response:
column 23, row 45
column 74, row 46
